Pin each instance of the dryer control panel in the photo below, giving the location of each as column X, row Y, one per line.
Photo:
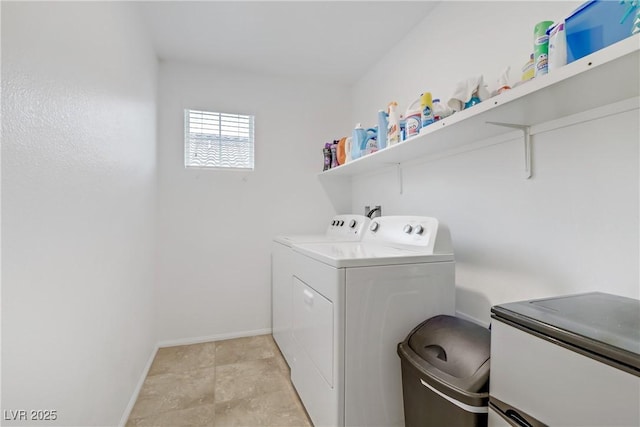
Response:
column 350, row 227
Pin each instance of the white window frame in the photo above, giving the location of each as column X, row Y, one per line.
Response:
column 219, row 137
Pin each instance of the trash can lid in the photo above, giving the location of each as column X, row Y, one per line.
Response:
column 456, row 347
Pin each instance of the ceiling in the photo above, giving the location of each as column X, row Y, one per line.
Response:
column 326, row 40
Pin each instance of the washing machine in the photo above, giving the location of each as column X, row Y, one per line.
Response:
column 353, row 302
column 340, row 228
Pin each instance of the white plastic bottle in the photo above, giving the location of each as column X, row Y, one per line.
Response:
column 413, row 117
column 393, row 129
column 557, row 46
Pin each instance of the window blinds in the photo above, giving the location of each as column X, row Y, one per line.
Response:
column 218, row 140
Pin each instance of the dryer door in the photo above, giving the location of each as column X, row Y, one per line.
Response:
column 313, row 320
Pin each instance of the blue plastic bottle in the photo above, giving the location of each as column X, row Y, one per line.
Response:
column 360, row 138
column 473, row 101
column 383, row 123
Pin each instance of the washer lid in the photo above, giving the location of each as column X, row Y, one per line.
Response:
column 605, row 325
column 341, row 228
column 291, row 239
column 359, row 254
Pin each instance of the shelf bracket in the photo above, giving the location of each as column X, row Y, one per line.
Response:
column 526, row 130
column 399, row 169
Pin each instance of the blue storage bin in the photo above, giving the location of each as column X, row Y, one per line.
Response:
column 597, row 24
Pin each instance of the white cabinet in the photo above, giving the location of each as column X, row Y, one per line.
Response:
column 558, row 386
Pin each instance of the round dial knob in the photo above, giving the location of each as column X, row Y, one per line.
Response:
column 407, row 228
column 419, row 229
column 374, row 226
column 353, row 223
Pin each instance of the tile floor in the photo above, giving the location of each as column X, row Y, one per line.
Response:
column 238, row 382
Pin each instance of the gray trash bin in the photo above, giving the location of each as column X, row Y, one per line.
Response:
column 445, row 373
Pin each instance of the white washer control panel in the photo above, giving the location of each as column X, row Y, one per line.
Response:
column 348, row 226
column 420, row 231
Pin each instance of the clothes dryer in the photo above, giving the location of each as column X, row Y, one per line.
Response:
column 340, row 228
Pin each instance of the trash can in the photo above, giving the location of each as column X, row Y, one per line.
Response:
column 445, row 373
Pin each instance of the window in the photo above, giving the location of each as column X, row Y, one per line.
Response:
column 218, row 140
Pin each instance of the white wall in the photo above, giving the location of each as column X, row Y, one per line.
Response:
column 572, row 228
column 457, row 40
column 215, row 227
column 78, row 198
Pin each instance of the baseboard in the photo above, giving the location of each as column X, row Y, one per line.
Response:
column 136, row 391
column 217, row 337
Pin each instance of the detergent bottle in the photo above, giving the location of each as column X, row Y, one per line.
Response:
column 426, row 105
column 440, row 111
column 363, row 141
column 413, row 118
column 393, row 128
column 383, row 124
column 348, row 149
column 326, row 151
column 334, row 155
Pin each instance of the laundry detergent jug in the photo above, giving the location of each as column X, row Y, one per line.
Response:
column 413, row 116
column 364, row 141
